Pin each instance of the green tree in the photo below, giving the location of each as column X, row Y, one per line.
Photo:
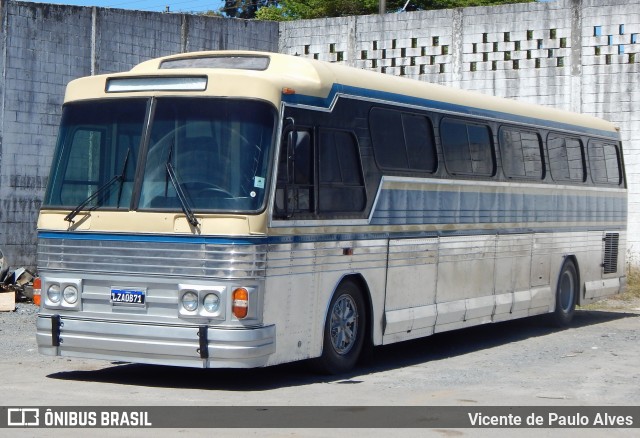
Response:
column 448, row 4
column 306, row 9
column 245, row 8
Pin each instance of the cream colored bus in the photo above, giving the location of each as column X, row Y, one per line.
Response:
column 245, row 209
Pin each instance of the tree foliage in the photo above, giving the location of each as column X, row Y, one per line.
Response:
column 306, row 9
column 245, row 8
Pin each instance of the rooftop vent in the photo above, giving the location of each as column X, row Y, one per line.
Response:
column 240, row 62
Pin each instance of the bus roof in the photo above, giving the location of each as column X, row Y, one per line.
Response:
column 265, row 75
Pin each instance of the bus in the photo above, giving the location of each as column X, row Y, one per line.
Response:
column 245, row 209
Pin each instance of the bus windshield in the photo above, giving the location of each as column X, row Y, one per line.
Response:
column 97, row 141
column 211, row 154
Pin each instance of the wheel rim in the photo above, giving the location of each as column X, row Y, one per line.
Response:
column 344, row 324
column 566, row 291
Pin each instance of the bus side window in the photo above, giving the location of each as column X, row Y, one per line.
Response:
column 295, row 180
column 303, row 173
column 403, row 141
column 566, row 158
column 303, row 159
column 604, row 163
column 341, row 184
column 467, row 146
column 521, row 153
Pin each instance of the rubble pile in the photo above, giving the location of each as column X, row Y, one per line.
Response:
column 4, row 267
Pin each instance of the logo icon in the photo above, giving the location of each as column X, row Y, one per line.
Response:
column 23, row 417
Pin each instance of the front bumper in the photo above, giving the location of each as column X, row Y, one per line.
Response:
column 198, row 346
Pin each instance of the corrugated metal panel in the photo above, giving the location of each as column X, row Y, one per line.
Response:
column 153, row 258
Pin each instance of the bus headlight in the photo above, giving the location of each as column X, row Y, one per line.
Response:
column 211, row 303
column 190, row 301
column 70, row 294
column 202, row 301
column 61, row 293
column 54, row 293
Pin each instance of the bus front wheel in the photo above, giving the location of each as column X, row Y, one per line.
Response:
column 344, row 330
column 566, row 294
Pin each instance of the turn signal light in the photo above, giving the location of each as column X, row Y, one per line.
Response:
column 37, row 289
column 240, row 303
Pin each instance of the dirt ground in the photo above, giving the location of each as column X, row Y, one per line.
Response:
column 517, row 363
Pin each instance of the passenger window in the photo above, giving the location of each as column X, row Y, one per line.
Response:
column 386, row 135
column 604, row 163
column 303, row 159
column 295, row 181
column 566, row 158
column 338, row 186
column 467, row 148
column 403, row 141
column 341, row 183
column 420, row 146
column 521, row 153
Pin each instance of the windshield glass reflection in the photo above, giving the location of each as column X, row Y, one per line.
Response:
column 218, row 149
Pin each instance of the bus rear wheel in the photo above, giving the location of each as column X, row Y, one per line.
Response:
column 566, row 294
column 344, row 330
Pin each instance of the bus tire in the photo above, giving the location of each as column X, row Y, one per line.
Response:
column 566, row 294
column 344, row 330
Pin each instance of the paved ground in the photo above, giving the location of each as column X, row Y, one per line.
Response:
column 519, row 363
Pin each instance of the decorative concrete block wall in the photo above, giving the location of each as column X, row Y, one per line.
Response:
column 578, row 55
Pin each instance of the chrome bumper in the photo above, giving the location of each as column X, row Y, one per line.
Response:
column 161, row 344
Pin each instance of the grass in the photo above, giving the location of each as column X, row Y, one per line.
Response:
column 629, row 299
column 633, row 284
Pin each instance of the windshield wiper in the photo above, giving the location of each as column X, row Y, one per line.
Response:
column 100, row 190
column 191, row 218
column 124, row 170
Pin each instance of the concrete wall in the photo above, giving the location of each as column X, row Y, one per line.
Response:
column 571, row 54
column 579, row 55
column 42, row 47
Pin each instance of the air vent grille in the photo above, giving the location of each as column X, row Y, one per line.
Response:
column 610, row 262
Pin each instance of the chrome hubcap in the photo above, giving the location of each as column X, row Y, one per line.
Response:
column 344, row 324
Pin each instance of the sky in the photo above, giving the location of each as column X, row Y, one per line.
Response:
column 146, row 5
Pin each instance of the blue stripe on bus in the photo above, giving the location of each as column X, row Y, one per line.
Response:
column 325, row 102
column 398, row 207
column 145, row 238
column 314, row 238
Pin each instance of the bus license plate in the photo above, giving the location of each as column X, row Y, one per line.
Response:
column 127, row 297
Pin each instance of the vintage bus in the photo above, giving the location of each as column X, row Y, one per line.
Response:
column 245, row 209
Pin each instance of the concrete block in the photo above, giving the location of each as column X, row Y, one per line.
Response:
column 7, row 301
